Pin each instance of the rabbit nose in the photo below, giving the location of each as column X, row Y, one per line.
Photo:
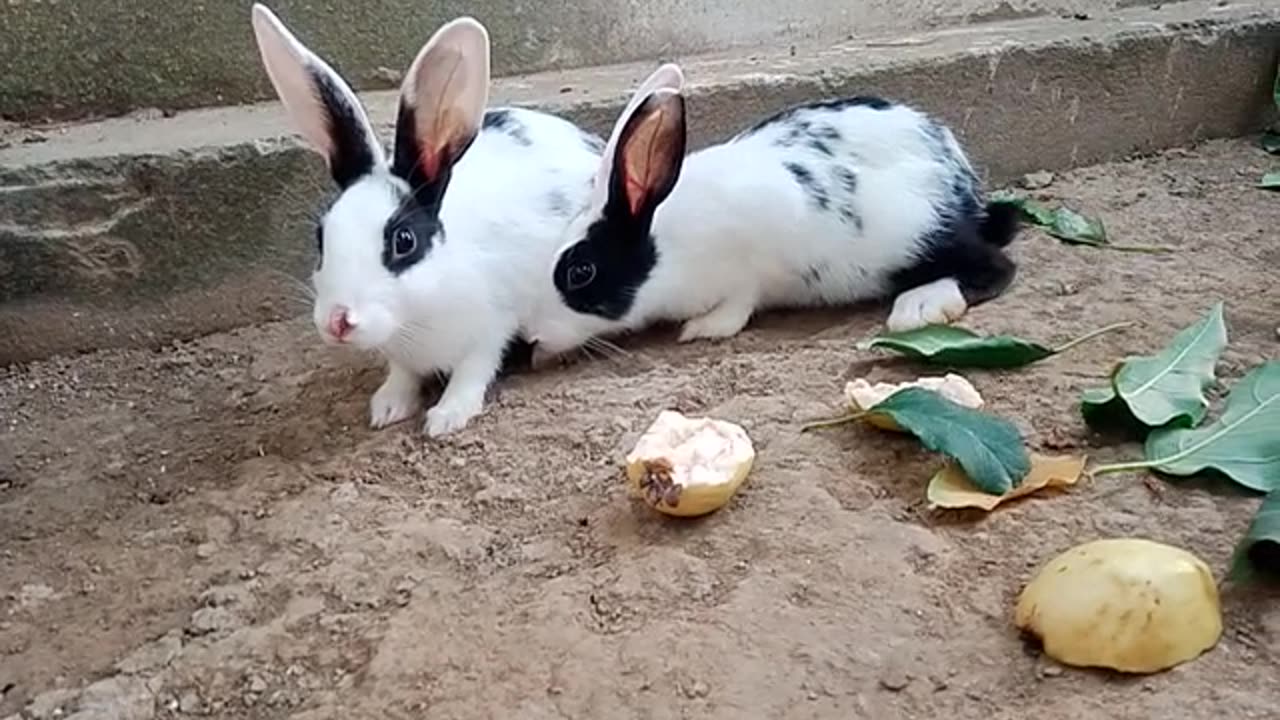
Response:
column 341, row 322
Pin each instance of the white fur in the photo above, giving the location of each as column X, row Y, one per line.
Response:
column 937, row 303
column 455, row 310
column 737, row 233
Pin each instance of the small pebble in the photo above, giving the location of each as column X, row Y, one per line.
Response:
column 210, row 619
column 387, row 75
column 204, row 551
column 1037, row 180
column 895, row 680
column 698, row 689
column 1051, row 671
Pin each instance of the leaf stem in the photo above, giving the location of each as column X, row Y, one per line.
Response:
column 1148, row 249
column 1125, row 467
column 833, row 422
column 1089, row 336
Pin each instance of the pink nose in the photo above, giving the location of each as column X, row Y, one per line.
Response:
column 340, row 323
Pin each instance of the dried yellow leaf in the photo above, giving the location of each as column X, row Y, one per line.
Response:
column 951, row 488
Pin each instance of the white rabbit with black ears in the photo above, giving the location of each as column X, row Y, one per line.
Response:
column 434, row 258
column 830, row 202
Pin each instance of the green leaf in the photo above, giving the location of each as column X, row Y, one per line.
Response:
column 1167, row 388
column 1069, row 226
column 1104, row 410
column 958, row 347
column 1271, row 142
column 988, row 448
column 948, row 345
column 1063, row 223
column 1270, row 181
column 1243, row 444
column 1259, row 550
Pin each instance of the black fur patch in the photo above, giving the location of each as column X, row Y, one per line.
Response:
column 937, row 140
column 959, row 250
column 819, row 145
column 1001, row 225
column 411, row 232
column 592, row 142
column 787, row 115
column 619, row 262
column 407, row 157
column 496, row 119
column 851, row 216
column 846, row 181
column 805, row 178
column 558, row 203
column 601, row 273
column 352, row 158
column 797, row 132
column 409, row 235
column 505, row 122
column 966, row 246
column 813, row 275
column 319, row 244
column 827, row 132
column 847, row 178
column 517, row 356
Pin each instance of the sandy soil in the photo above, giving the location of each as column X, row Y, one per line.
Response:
column 211, row 529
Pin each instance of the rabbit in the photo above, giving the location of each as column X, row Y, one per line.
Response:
column 832, row 202
column 426, row 256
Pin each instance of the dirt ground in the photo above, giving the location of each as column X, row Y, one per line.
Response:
column 212, row 530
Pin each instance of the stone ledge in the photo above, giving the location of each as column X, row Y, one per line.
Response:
column 136, row 232
column 97, row 58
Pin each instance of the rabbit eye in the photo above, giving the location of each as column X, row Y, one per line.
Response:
column 580, row 275
column 405, row 241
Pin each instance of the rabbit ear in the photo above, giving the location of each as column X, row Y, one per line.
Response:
column 649, row 155
column 667, row 77
column 442, row 104
column 320, row 104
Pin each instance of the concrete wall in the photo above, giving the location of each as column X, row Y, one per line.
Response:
column 139, row 232
column 69, row 59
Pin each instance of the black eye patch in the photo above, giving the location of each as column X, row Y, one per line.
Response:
column 409, row 235
column 601, row 274
column 319, row 245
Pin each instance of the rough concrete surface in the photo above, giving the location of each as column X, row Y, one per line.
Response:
column 66, row 59
column 210, row 530
column 136, row 232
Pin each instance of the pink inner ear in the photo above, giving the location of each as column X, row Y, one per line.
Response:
column 440, row 134
column 289, row 64
column 430, row 161
column 636, row 190
column 448, row 87
column 646, row 160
